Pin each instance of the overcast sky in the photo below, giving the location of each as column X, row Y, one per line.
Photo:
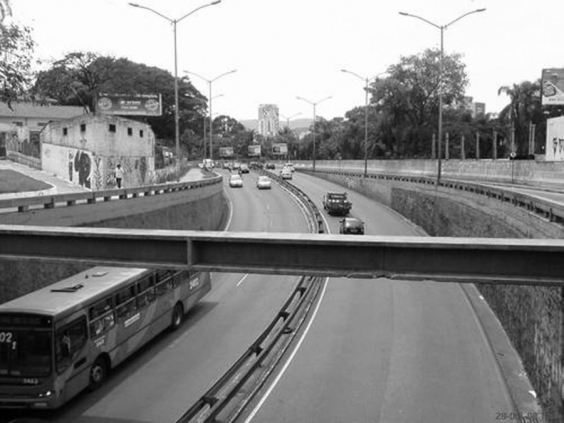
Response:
column 282, row 49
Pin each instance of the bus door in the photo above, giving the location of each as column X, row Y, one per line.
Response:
column 71, row 358
column 128, row 314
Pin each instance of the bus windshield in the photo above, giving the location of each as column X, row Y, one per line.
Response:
column 25, row 352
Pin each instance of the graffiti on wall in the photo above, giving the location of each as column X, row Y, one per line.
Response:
column 97, row 175
column 80, row 164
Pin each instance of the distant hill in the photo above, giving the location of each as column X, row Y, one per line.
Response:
column 296, row 124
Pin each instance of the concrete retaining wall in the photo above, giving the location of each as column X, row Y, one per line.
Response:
column 526, row 172
column 531, row 316
column 198, row 209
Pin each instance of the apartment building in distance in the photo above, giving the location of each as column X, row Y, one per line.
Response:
column 268, row 120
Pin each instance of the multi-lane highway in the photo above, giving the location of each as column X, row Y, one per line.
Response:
column 383, row 351
column 163, row 380
column 373, row 351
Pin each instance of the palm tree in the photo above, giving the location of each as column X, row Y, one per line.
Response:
column 523, row 109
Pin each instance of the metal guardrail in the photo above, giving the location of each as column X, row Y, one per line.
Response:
column 230, row 395
column 313, row 211
column 24, row 204
column 547, row 209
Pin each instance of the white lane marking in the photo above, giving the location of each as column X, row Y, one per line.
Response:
column 294, row 352
column 230, row 214
column 287, row 364
column 242, row 279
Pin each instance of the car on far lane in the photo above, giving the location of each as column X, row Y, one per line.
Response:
column 351, row 225
column 263, row 182
column 270, row 166
column 244, row 168
column 290, row 166
column 235, row 181
column 286, row 173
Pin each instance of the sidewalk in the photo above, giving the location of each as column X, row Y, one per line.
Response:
column 58, row 185
column 62, row 186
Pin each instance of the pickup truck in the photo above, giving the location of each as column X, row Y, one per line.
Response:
column 337, row 203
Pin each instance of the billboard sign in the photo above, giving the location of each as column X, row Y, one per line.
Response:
column 253, row 151
column 552, row 83
column 280, row 149
column 130, row 104
column 226, row 152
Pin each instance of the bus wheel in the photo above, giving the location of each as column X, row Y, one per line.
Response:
column 177, row 316
column 98, row 373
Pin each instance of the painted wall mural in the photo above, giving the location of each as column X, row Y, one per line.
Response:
column 97, row 174
column 83, row 165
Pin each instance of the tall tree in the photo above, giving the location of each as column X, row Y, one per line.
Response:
column 409, row 99
column 17, row 46
column 523, row 109
column 80, row 76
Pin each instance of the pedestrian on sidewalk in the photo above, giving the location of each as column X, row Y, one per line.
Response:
column 119, row 175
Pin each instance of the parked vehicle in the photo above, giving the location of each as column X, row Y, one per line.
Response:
column 337, row 203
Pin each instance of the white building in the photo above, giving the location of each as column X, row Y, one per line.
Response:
column 86, row 149
column 21, row 125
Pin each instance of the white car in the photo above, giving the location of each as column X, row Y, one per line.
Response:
column 235, row 181
column 263, row 182
column 286, row 173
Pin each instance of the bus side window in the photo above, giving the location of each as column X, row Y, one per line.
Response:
column 126, row 304
column 101, row 317
column 146, row 291
column 164, row 281
column 69, row 341
column 181, row 277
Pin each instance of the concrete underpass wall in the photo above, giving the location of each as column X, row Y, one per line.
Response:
column 526, row 172
column 202, row 208
column 531, row 316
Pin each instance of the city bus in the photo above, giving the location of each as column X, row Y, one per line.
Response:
column 66, row 337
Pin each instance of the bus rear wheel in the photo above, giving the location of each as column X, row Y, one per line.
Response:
column 98, row 373
column 177, row 317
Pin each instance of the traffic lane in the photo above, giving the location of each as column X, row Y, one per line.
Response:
column 389, row 350
column 171, row 374
column 329, row 380
column 379, row 219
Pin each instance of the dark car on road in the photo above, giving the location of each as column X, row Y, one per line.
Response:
column 337, row 203
column 351, row 225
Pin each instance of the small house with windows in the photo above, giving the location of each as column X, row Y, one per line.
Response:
column 22, row 123
column 86, row 150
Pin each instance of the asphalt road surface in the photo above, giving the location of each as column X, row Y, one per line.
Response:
column 386, row 351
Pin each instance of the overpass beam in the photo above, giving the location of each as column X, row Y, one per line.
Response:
column 516, row 261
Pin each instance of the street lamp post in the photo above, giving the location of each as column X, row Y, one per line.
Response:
column 288, row 118
column 314, row 104
column 366, row 81
column 209, row 81
column 205, row 117
column 441, row 64
column 174, row 22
